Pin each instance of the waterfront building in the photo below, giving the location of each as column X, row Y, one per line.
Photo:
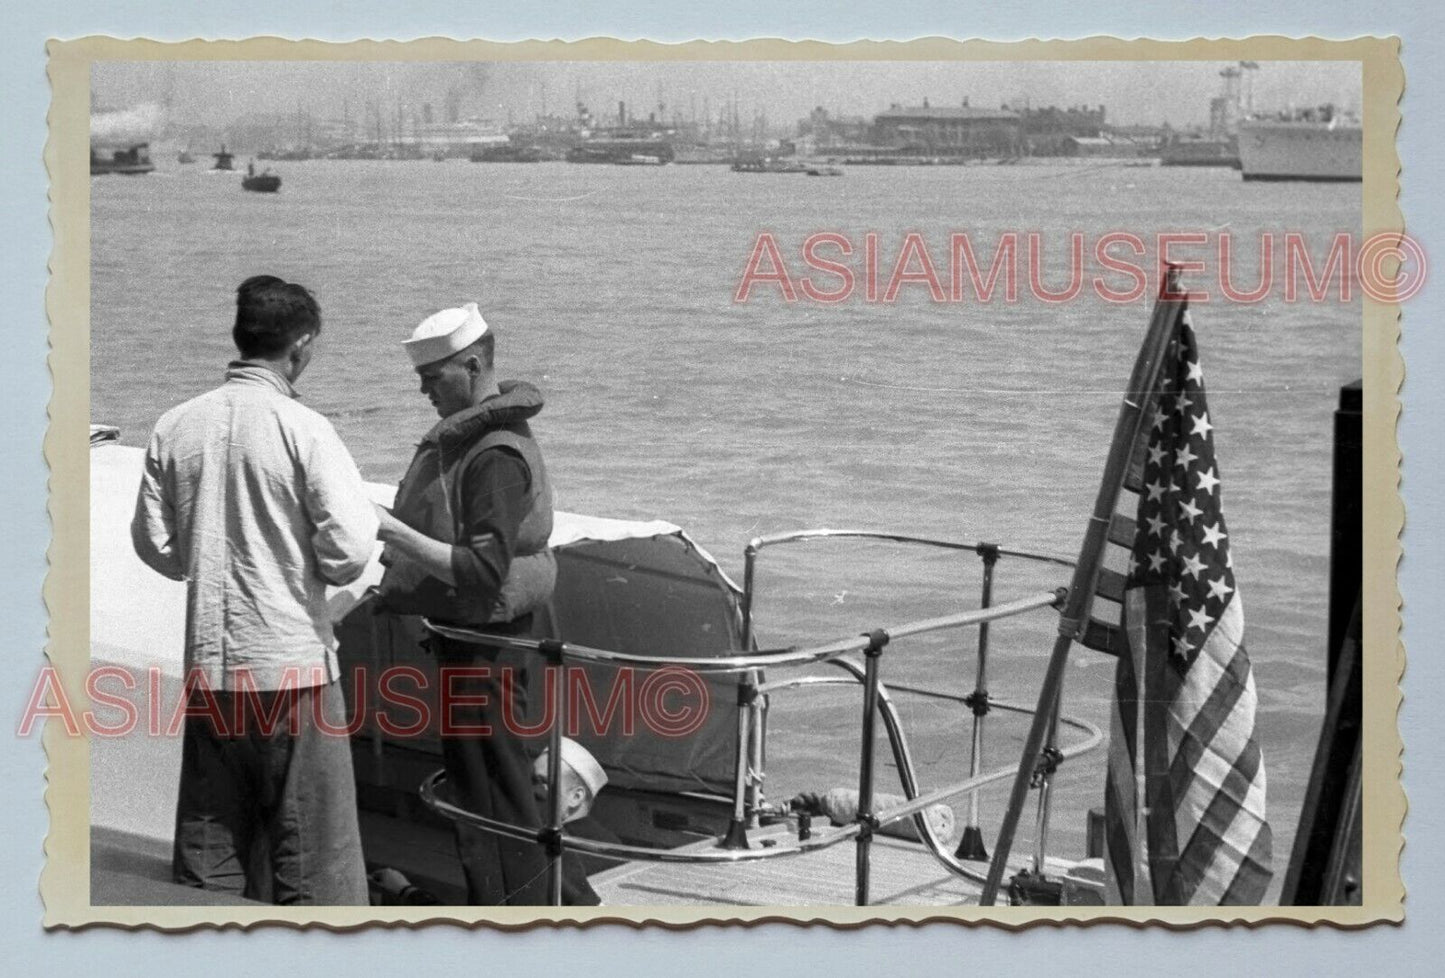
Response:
column 959, row 130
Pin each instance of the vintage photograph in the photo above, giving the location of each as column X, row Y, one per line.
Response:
column 557, row 482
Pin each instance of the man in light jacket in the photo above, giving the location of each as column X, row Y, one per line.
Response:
column 251, row 499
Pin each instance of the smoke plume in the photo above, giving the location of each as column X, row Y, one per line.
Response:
column 135, row 125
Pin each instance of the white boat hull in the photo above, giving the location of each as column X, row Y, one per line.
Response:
column 1279, row 150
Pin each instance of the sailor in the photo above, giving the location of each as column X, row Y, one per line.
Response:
column 250, row 498
column 467, row 545
column 582, row 780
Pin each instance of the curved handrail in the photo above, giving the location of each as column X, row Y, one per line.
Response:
column 903, row 757
column 620, row 850
column 723, row 665
column 833, row 835
column 748, row 665
column 802, row 536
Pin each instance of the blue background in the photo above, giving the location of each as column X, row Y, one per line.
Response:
column 773, row 949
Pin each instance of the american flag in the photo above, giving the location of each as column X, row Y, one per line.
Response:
column 1197, row 794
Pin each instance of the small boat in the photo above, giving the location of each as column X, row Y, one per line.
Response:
column 825, row 171
column 185, row 157
column 131, row 161
column 506, row 153
column 265, row 182
column 768, row 164
column 223, row 159
column 649, row 152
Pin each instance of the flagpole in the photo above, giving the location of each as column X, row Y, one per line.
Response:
column 1143, row 877
column 1074, row 615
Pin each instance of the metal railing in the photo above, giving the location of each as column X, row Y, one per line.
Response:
column 753, row 693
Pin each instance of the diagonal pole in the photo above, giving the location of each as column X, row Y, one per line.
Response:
column 1075, row 613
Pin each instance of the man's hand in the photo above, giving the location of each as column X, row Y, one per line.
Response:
column 433, row 556
column 387, row 524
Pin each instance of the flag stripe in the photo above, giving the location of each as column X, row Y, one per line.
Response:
column 1111, row 584
column 1119, row 840
column 1219, row 827
column 1103, row 637
column 1251, row 882
column 1122, row 530
column 1182, row 629
column 1211, row 717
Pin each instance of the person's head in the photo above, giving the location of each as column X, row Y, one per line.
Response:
column 276, row 321
column 453, row 352
column 582, row 779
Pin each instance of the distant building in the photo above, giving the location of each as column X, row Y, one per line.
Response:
column 1104, row 146
column 1046, row 131
column 1151, row 137
column 823, row 132
column 948, row 130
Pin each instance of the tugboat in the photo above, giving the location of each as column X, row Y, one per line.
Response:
column 130, row 161
column 768, row 164
column 506, row 153
column 223, row 159
column 641, row 159
column 265, row 182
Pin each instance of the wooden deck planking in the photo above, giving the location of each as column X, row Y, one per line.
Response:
column 902, row 874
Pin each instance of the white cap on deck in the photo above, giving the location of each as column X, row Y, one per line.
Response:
column 444, row 333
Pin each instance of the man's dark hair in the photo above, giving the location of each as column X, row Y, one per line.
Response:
column 271, row 314
column 485, row 347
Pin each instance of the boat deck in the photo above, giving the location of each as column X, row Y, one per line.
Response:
column 903, row 874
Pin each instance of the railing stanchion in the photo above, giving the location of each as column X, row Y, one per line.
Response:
column 737, row 834
column 866, row 820
column 755, row 757
column 1048, row 764
column 551, row 650
column 971, row 845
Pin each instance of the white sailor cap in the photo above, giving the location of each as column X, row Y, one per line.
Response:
column 444, row 333
column 583, row 764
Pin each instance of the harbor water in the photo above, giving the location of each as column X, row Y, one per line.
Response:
column 613, row 288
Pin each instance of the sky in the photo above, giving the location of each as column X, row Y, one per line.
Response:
column 214, row 93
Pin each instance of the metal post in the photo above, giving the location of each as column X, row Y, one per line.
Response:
column 737, row 833
column 552, row 657
column 755, row 757
column 750, row 559
column 971, row 845
column 871, row 656
column 1047, row 766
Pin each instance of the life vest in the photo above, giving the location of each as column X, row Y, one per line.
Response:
column 429, row 499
